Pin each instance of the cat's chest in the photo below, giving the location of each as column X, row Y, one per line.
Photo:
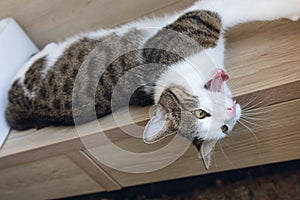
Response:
column 192, row 72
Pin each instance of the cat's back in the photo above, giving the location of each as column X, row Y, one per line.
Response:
column 42, row 91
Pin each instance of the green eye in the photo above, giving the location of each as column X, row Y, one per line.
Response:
column 200, row 114
column 224, row 128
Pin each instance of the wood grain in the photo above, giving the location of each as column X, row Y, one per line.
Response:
column 263, row 55
column 93, row 170
column 270, row 96
column 45, row 179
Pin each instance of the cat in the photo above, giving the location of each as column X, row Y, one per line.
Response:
column 68, row 82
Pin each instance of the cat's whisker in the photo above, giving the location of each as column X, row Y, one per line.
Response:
column 254, row 118
column 259, row 122
column 255, row 122
column 266, row 119
column 262, row 114
column 226, row 157
column 252, row 132
column 258, row 104
column 225, row 143
column 258, row 110
column 276, row 123
column 251, row 101
column 215, row 160
column 254, row 112
column 249, row 122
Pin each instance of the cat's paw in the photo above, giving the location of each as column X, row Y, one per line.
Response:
column 295, row 18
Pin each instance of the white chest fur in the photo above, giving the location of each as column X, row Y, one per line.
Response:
column 192, row 73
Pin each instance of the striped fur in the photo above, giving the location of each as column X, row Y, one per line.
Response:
column 50, row 100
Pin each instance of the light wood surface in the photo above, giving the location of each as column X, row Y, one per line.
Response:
column 270, row 96
column 45, row 179
column 93, row 170
column 263, row 55
column 263, row 61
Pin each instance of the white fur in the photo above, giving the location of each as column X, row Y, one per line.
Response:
column 191, row 74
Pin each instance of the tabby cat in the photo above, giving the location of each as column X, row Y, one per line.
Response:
column 72, row 81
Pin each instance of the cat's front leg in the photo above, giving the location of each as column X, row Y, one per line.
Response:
column 234, row 12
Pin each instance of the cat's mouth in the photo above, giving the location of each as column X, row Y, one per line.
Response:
column 215, row 84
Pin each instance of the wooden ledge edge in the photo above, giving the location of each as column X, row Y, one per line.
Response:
column 99, row 175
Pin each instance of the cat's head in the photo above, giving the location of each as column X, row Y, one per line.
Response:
column 203, row 117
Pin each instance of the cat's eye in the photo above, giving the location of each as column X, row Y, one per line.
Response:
column 200, row 114
column 224, row 128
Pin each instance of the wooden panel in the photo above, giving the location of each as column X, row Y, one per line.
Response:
column 48, row 21
column 277, row 139
column 26, row 146
column 263, row 55
column 270, row 96
column 45, row 179
column 93, row 170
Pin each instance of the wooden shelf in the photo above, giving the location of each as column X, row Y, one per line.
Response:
column 263, row 61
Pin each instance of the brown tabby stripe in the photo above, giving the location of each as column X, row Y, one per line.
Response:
column 33, row 75
column 186, row 36
column 178, row 104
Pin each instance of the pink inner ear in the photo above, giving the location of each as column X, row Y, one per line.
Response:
column 217, row 81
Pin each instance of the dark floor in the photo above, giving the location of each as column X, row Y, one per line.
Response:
column 276, row 181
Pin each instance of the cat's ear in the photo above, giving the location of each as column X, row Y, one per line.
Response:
column 205, row 151
column 158, row 126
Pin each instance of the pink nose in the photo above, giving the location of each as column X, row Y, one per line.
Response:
column 230, row 113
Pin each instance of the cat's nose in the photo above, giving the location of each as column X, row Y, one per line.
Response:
column 230, row 113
